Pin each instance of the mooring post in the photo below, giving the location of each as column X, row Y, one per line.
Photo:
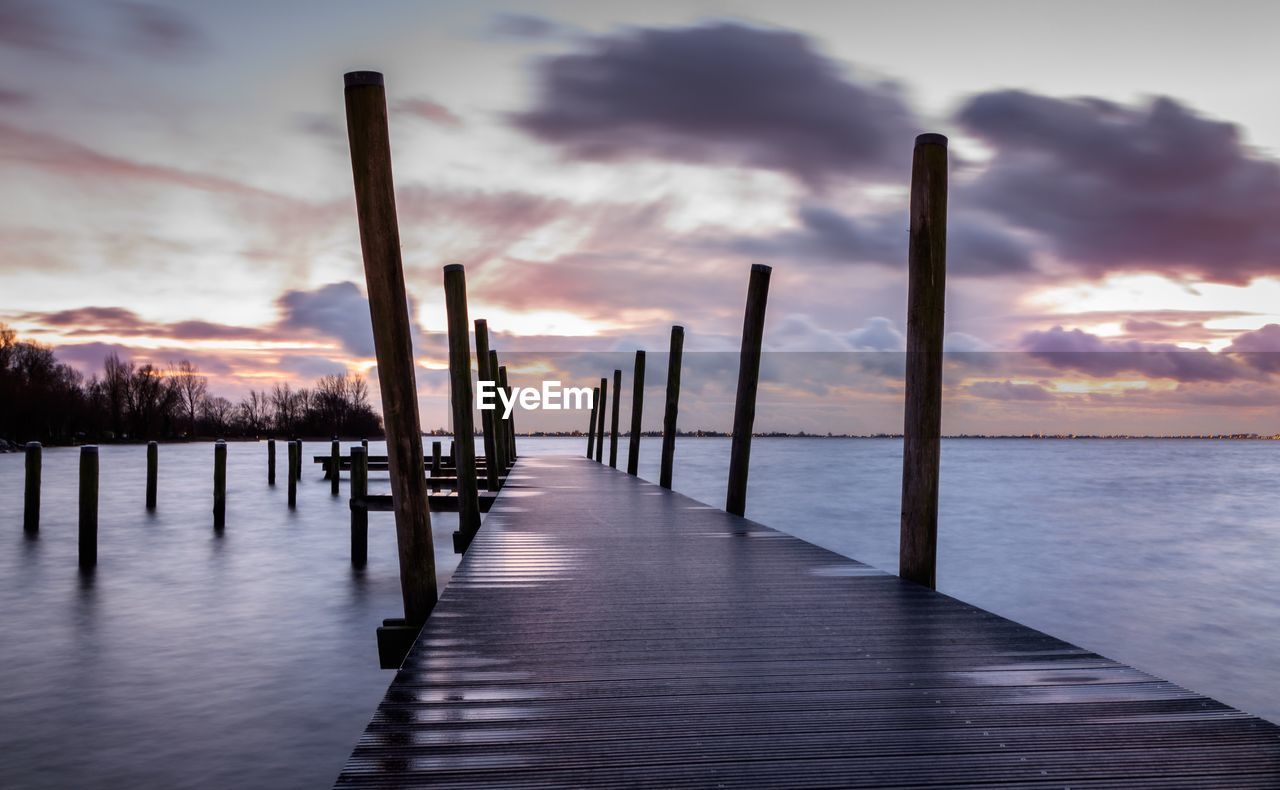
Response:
column 511, row 421
column 499, row 422
column 153, row 468
column 487, row 416
column 637, row 408
column 271, row 462
column 31, row 500
column 591, row 425
column 673, row 406
column 436, row 471
column 88, row 506
column 219, row 484
column 926, row 294
column 600, row 413
column 335, row 466
column 359, row 506
column 293, row 479
column 455, row 297
column 613, row 423
column 744, row 410
column 368, row 136
column 298, row 461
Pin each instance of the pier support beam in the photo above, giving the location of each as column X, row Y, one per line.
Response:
column 219, row 484
column 499, row 422
column 88, row 507
column 600, row 412
column 613, row 423
column 153, row 471
column 922, row 429
column 744, row 411
column 367, row 133
column 335, row 466
column 271, row 462
column 488, row 417
column 31, row 499
column 293, row 479
column 435, row 465
column 591, row 424
column 674, row 359
column 359, row 510
column 455, row 298
column 637, row 408
column 510, row 431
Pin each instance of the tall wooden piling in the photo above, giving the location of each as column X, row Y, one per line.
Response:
column 335, row 466
column 455, row 298
column 436, row 470
column 604, row 398
column 367, row 134
column 219, row 484
column 359, row 507
column 88, row 506
column 293, row 478
column 744, row 411
column 153, row 471
column 922, row 428
column 511, row 421
column 613, row 423
column 637, row 407
column 674, row 359
column 31, row 499
column 488, row 417
column 591, row 424
column 271, row 462
column 499, row 422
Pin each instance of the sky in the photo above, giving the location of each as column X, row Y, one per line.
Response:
column 176, row 184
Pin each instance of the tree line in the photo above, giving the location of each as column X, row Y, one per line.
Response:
column 42, row 399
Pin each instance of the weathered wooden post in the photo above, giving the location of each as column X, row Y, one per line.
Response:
column 926, row 293
column 359, row 506
column 293, row 478
column 153, row 470
column 511, row 421
column 744, row 411
column 335, row 466
column 455, row 297
column 613, row 423
column 88, row 506
column 591, row 425
column 299, row 460
column 367, row 134
column 499, row 422
column 31, row 500
column 488, row 418
column 600, row 413
column 219, row 484
column 637, row 408
column 271, row 462
column 673, row 406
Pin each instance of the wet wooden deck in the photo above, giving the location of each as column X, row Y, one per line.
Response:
column 602, row 631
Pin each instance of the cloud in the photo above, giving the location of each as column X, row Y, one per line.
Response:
column 338, row 310
column 1009, row 391
column 32, row 25
column 1092, row 355
column 720, row 94
column 12, row 97
column 1112, row 187
column 160, row 31
column 428, row 110
column 529, row 26
column 121, row 322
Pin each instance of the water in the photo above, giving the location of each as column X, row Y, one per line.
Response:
column 193, row 659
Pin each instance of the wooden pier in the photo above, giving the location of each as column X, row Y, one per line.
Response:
column 604, row 631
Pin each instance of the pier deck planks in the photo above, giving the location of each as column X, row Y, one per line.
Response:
column 602, row 631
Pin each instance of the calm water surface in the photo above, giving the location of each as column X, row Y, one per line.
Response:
column 247, row 658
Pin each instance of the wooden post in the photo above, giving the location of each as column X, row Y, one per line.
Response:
column 335, row 466
column 591, row 425
column 673, row 406
column 293, row 479
column 922, row 429
column 368, row 137
column 219, row 484
column 637, row 407
column 488, row 418
column 435, row 465
column 298, row 461
column 359, row 506
column 604, row 399
column 455, row 297
column 511, row 421
column 613, row 423
column 499, row 422
column 31, row 501
column 365, row 444
column 88, row 506
column 271, row 462
column 744, row 411
column 153, row 470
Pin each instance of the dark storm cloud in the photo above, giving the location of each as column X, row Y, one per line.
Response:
column 1086, row 353
column 338, row 310
column 1154, row 187
column 720, row 93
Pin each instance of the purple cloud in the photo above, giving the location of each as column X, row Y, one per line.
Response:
column 1086, row 353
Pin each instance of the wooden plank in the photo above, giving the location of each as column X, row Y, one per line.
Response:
column 603, row 631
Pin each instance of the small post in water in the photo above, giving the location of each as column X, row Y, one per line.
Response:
column 359, row 506
column 335, row 466
column 673, row 406
column 613, row 423
column 591, row 424
column 637, row 407
column 436, row 471
column 488, row 417
column 88, row 506
column 293, row 479
column 219, row 484
column 271, row 462
column 744, row 411
column 153, row 468
column 922, row 429
column 31, row 501
column 604, row 399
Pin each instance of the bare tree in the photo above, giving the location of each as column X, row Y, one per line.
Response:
column 255, row 412
column 217, row 413
column 192, row 389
